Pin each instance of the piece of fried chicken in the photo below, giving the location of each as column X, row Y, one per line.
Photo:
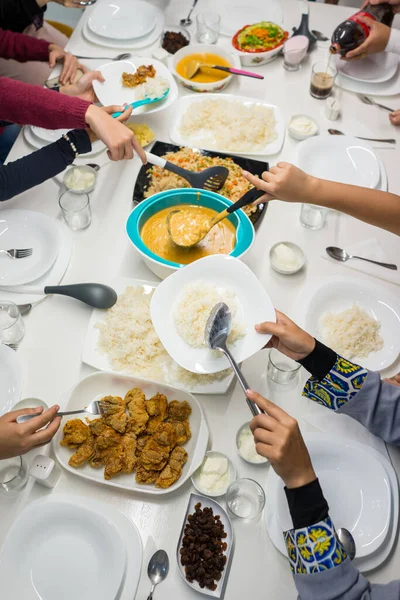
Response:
column 75, row 433
column 140, row 443
column 156, row 407
column 173, row 469
column 135, row 401
column 165, row 436
column 121, row 458
column 111, row 405
column 182, row 431
column 145, row 476
column 118, row 421
column 83, row 453
column 154, row 457
column 179, row 411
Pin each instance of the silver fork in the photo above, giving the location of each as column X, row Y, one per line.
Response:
column 95, row 408
column 18, row 252
column 368, row 100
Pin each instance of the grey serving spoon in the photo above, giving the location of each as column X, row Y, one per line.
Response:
column 157, row 570
column 123, row 56
column 343, row 256
column 218, row 327
column 368, row 100
column 93, row 294
column 347, row 542
column 211, row 179
column 385, row 141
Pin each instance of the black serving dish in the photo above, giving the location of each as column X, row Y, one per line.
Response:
column 256, row 167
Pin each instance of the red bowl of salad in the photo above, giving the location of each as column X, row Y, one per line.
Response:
column 259, row 43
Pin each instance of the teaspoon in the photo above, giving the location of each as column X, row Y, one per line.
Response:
column 157, row 570
column 343, row 256
column 188, row 21
column 385, row 141
column 347, row 541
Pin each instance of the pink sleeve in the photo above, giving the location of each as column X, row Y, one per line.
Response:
column 22, row 47
column 27, row 104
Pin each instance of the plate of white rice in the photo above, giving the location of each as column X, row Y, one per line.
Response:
column 359, row 320
column 228, row 123
column 111, row 91
column 181, row 304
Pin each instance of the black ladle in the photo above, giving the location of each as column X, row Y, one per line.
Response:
column 93, row 294
column 303, row 28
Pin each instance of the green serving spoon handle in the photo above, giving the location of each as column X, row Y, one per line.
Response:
column 141, row 103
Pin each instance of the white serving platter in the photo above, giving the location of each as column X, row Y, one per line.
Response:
column 375, row 68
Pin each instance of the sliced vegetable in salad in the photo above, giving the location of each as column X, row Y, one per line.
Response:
column 260, row 37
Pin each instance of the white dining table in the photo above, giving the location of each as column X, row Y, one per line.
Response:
column 56, row 327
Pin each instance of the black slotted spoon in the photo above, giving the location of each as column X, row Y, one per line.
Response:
column 211, row 179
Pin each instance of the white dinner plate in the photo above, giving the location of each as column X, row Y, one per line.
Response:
column 365, row 563
column 238, row 14
column 67, row 553
column 223, row 272
column 113, row 92
column 98, row 385
column 27, row 229
column 391, row 87
column 208, row 502
column 122, row 19
column 340, row 158
column 132, row 44
column 92, row 356
column 335, row 294
column 206, row 138
column 375, row 68
column 11, row 378
column 39, row 138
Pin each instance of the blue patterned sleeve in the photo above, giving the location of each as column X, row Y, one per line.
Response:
column 315, row 548
column 340, row 385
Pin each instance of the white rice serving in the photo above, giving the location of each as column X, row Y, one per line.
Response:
column 229, row 125
column 128, row 339
column 193, row 307
column 352, row 332
column 154, row 87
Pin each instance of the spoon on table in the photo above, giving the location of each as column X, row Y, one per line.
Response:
column 194, row 66
column 123, row 56
column 138, row 103
column 218, row 327
column 211, row 179
column 343, row 256
column 157, row 570
column 93, row 294
column 385, row 141
column 188, row 21
column 368, row 100
column 347, row 541
column 185, row 237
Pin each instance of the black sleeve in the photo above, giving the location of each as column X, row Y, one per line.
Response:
column 16, row 15
column 31, row 170
column 307, row 504
column 320, row 361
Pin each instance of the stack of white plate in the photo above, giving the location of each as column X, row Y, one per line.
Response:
column 343, row 159
column 377, row 75
column 128, row 24
column 361, row 488
column 71, row 549
column 51, row 243
column 37, row 137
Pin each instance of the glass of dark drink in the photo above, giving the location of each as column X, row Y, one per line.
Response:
column 323, row 77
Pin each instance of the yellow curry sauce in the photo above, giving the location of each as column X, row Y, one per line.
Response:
column 220, row 240
column 204, row 75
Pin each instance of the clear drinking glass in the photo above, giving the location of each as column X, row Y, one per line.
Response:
column 281, row 368
column 12, row 328
column 313, row 217
column 323, row 77
column 245, row 499
column 13, row 474
column 75, row 208
column 208, row 24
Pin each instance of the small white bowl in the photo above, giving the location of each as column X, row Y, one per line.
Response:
column 300, row 255
column 83, row 168
column 251, row 462
column 30, row 403
column 302, row 136
column 175, row 29
column 231, row 478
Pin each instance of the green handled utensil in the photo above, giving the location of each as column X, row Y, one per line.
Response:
column 142, row 103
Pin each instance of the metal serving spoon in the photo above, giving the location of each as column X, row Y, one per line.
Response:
column 211, row 179
column 157, row 570
column 343, row 256
column 347, row 542
column 387, row 141
column 186, row 237
column 93, row 294
column 188, row 21
column 123, row 56
column 368, row 100
column 218, row 327
column 194, row 66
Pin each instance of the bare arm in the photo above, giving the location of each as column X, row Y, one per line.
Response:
column 287, row 182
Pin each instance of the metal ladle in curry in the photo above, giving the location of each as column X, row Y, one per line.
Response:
column 181, row 236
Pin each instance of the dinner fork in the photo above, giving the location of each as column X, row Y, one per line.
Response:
column 95, row 408
column 370, row 101
column 18, row 252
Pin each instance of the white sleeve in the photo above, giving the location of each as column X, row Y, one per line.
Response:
column 394, row 41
